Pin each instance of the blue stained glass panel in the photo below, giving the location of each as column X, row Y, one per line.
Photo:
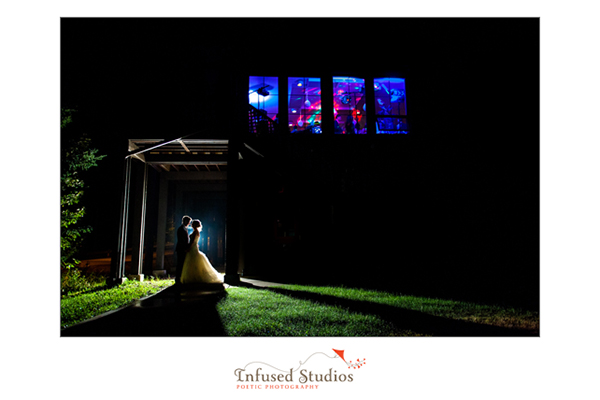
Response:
column 304, row 104
column 349, row 108
column 263, row 94
column 390, row 105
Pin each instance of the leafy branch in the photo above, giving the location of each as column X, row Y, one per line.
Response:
column 78, row 156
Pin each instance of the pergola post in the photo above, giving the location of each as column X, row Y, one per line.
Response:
column 119, row 271
column 161, row 229
column 234, row 255
column 139, row 224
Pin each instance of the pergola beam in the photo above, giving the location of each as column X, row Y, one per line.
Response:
column 188, row 159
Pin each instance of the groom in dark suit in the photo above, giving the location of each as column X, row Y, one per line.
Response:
column 182, row 247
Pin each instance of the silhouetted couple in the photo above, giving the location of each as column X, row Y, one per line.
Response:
column 192, row 265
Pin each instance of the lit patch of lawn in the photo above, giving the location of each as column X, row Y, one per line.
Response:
column 80, row 306
column 251, row 312
column 460, row 310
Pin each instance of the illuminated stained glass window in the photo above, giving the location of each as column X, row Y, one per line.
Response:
column 350, row 111
column 263, row 94
column 390, row 106
column 304, row 105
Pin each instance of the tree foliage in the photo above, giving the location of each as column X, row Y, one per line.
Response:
column 77, row 156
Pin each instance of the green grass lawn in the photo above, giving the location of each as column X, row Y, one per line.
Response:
column 98, row 298
column 251, row 312
column 508, row 317
column 296, row 310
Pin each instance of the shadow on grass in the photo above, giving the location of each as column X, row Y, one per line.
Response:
column 190, row 310
column 408, row 319
column 525, row 296
column 179, row 310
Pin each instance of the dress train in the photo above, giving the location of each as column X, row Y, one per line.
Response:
column 197, row 268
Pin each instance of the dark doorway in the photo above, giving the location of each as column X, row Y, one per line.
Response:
column 210, row 208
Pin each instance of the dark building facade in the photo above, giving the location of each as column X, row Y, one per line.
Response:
column 432, row 186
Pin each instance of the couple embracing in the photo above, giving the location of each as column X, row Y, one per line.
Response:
column 192, row 265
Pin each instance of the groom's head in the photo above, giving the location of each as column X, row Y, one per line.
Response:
column 185, row 220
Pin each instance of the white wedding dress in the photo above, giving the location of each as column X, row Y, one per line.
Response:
column 197, row 268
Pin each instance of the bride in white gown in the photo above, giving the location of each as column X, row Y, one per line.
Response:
column 196, row 267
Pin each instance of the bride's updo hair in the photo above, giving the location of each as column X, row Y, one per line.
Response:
column 196, row 223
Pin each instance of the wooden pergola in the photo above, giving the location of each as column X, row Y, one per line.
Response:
column 182, row 154
column 182, row 159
